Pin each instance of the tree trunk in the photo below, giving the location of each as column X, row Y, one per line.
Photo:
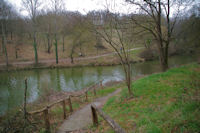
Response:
column 72, row 59
column 11, row 36
column 2, row 41
column 163, row 60
column 48, row 44
column 35, row 48
column 161, row 48
column 5, row 30
column 4, row 44
column 81, row 52
column 168, row 37
column 56, row 49
column 162, row 57
column 5, row 50
column 166, row 56
column 63, row 43
column 16, row 55
column 164, row 63
column 56, row 41
column 129, row 80
column 127, row 70
column 71, row 54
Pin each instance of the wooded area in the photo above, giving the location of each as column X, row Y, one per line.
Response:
column 74, row 34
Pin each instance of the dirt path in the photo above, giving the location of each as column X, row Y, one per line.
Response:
column 64, row 60
column 83, row 117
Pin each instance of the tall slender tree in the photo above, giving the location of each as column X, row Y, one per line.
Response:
column 57, row 6
column 32, row 6
column 5, row 11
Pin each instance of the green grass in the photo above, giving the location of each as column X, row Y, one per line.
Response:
column 106, row 91
column 103, row 92
column 164, row 102
column 135, row 54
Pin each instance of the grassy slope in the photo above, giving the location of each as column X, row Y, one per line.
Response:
column 165, row 102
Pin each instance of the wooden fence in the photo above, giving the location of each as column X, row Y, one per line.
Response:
column 111, row 122
column 45, row 110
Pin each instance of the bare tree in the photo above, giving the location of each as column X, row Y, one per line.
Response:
column 116, row 33
column 32, row 8
column 57, row 6
column 48, row 35
column 5, row 10
column 64, row 29
column 157, row 21
column 80, row 32
column 19, row 32
column 46, row 27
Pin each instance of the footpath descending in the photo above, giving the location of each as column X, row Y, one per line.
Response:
column 83, row 117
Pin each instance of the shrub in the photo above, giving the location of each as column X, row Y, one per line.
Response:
column 148, row 54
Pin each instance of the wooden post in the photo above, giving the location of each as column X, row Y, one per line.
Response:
column 94, row 116
column 70, row 104
column 46, row 118
column 25, row 92
column 111, row 122
column 86, row 96
column 64, row 109
column 95, row 91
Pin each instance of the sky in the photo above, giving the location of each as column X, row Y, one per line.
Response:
column 82, row 6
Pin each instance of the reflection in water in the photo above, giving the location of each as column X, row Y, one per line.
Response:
column 67, row 79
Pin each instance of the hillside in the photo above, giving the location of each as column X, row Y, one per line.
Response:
column 163, row 102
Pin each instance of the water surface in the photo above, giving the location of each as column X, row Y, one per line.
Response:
column 68, row 79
